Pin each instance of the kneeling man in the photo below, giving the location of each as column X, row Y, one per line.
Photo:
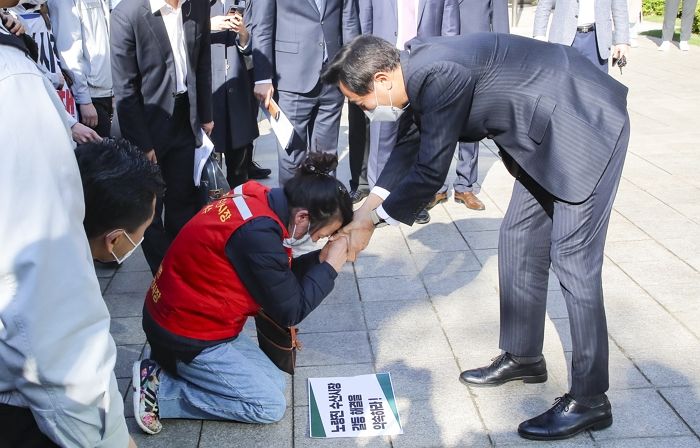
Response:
column 562, row 129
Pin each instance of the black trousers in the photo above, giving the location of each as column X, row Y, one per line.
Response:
column 358, row 143
column 105, row 110
column 180, row 202
column 18, row 429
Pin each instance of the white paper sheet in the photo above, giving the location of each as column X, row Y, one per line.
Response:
column 201, row 154
column 279, row 123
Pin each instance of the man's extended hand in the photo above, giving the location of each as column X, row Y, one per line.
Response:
column 83, row 134
column 359, row 232
column 263, row 92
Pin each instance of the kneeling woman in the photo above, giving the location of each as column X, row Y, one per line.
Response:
column 231, row 259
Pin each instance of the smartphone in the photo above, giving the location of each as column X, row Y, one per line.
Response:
column 237, row 8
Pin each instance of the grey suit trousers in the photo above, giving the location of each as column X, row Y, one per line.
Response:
column 382, row 139
column 467, row 168
column 539, row 230
column 316, row 120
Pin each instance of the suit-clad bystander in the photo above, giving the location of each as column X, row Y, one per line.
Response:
column 161, row 67
column 474, row 16
column 292, row 42
column 597, row 28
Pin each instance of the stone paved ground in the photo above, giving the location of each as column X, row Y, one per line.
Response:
column 422, row 303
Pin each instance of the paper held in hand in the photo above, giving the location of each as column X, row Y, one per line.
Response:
column 201, row 155
column 279, row 123
column 356, row 406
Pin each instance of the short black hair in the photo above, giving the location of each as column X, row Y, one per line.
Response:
column 358, row 61
column 315, row 189
column 119, row 184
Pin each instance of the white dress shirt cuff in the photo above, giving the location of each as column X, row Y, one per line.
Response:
column 385, row 216
column 381, row 192
column 264, row 81
column 243, row 48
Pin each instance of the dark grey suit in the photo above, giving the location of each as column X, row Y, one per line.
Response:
column 483, row 15
column 379, row 18
column 151, row 115
column 291, row 42
column 476, row 16
column 563, row 133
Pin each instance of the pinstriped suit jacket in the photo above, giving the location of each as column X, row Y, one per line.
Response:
column 546, row 106
column 564, row 23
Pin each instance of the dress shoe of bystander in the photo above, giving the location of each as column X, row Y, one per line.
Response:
column 470, row 200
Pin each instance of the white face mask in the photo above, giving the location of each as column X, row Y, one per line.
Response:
column 383, row 113
column 128, row 254
column 294, row 242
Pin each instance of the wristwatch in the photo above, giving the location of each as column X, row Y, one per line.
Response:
column 377, row 221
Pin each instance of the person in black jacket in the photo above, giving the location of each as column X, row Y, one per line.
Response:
column 232, row 259
column 161, row 69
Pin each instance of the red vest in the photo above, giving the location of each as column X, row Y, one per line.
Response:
column 196, row 293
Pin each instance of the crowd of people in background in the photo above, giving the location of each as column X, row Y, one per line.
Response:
column 139, row 84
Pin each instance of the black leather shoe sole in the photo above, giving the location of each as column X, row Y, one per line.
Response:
column 594, row 426
column 534, row 379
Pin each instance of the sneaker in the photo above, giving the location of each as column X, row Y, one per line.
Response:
column 358, row 195
column 665, row 45
column 145, row 375
column 684, row 45
column 257, row 172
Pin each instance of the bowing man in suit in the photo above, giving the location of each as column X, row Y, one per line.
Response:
column 398, row 21
column 292, row 42
column 564, row 137
column 161, row 69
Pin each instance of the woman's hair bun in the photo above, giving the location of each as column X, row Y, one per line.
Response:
column 322, row 164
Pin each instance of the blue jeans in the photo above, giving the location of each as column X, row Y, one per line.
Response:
column 230, row 381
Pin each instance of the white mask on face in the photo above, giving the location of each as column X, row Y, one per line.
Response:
column 294, row 242
column 383, row 113
column 128, row 254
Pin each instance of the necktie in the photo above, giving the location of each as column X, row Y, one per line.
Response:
column 408, row 26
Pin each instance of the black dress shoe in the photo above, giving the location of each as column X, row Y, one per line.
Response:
column 423, row 217
column 567, row 418
column 503, row 369
column 257, row 172
column 358, row 195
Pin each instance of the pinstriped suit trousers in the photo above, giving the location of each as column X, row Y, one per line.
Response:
column 539, row 230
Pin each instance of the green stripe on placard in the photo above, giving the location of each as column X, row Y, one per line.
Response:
column 317, row 429
column 384, row 380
